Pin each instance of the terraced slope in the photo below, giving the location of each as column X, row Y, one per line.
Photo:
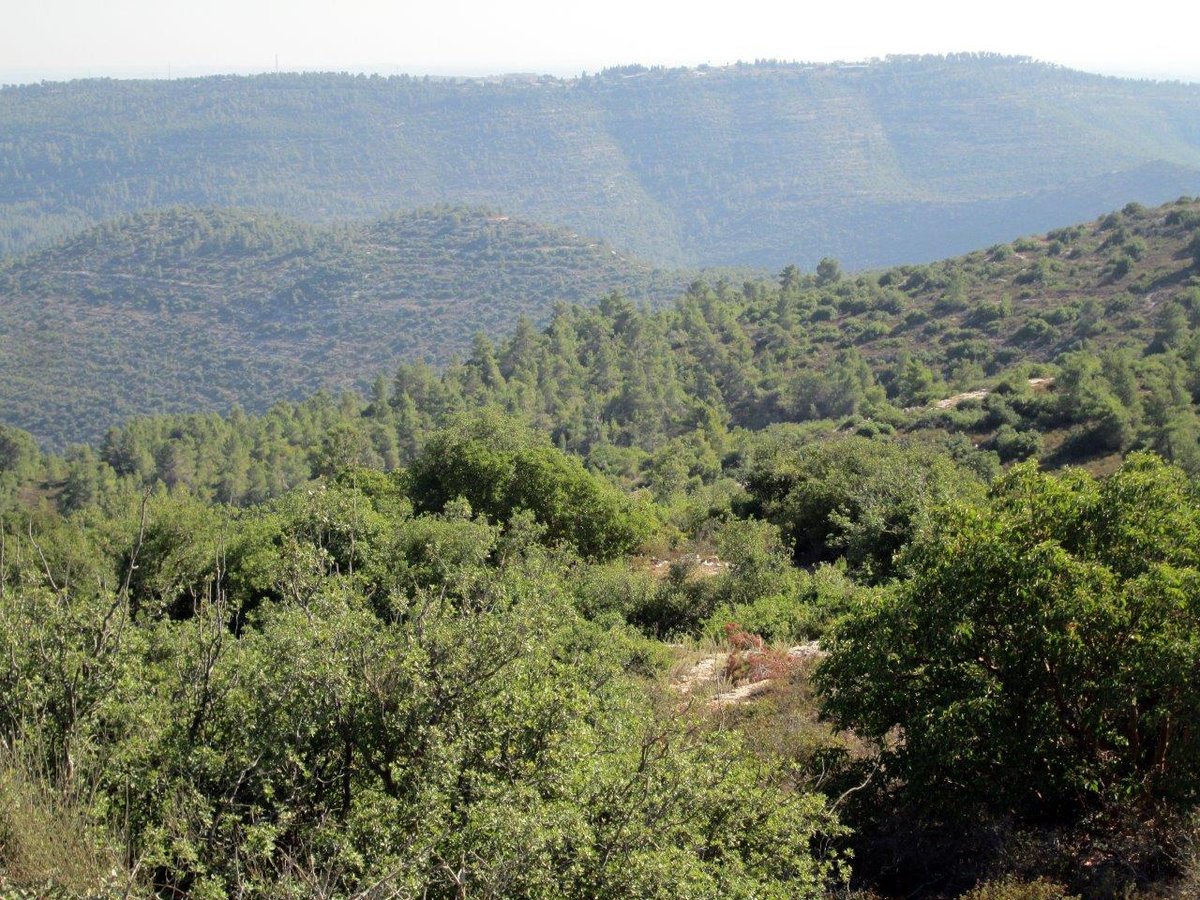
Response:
column 190, row 310
column 907, row 160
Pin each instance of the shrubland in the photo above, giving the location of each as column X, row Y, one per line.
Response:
column 429, row 641
column 330, row 694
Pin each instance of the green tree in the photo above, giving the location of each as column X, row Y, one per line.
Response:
column 1087, row 398
column 1041, row 657
column 858, row 497
column 829, row 271
column 19, row 453
column 916, row 384
column 499, row 467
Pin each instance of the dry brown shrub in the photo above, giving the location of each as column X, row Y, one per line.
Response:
column 47, row 846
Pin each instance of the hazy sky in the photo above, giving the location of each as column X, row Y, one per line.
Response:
column 70, row 38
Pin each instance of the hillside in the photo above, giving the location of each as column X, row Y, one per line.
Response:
column 636, row 603
column 1074, row 347
column 190, row 310
column 183, row 312
column 906, row 160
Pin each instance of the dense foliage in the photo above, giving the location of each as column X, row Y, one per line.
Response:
column 880, row 345
column 665, row 399
column 444, row 679
column 328, row 694
column 498, row 472
column 908, row 159
column 1042, row 654
column 854, row 498
column 449, row 638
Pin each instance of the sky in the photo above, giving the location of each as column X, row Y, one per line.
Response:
column 56, row 39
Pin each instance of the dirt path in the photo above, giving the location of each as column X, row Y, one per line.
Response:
column 702, row 673
column 954, row 401
column 708, row 674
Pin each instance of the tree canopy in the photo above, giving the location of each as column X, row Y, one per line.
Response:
column 1042, row 653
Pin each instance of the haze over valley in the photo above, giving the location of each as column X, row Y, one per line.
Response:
column 908, row 160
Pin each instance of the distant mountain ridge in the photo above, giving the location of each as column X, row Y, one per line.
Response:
column 905, row 160
column 186, row 310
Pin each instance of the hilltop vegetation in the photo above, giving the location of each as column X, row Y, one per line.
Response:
column 190, row 310
column 910, row 159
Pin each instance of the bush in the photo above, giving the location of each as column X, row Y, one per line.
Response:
column 500, row 469
column 1012, row 445
column 856, row 497
column 1036, row 330
column 1041, row 657
column 1000, row 412
column 823, row 596
column 613, row 589
column 776, row 618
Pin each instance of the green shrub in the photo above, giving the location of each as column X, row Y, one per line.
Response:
column 855, row 497
column 613, row 589
column 775, row 619
column 1040, row 658
column 1012, row 445
column 499, row 468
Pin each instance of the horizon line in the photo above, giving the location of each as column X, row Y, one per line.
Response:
column 20, row 76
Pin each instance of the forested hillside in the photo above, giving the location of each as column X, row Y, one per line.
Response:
column 183, row 310
column 828, row 585
column 900, row 161
column 879, row 585
column 794, row 348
